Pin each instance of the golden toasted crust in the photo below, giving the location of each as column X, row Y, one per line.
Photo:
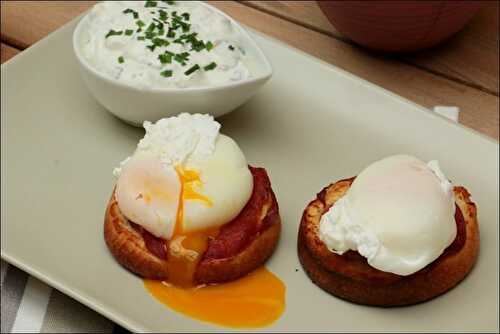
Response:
column 350, row 277
column 129, row 248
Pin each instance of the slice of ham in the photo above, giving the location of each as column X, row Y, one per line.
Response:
column 256, row 216
column 155, row 245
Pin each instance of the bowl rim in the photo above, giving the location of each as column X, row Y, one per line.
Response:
column 263, row 77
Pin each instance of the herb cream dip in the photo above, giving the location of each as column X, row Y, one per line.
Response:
column 164, row 44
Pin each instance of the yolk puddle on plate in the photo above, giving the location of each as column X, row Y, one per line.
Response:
column 255, row 300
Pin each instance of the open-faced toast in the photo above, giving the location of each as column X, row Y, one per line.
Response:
column 350, row 277
column 241, row 245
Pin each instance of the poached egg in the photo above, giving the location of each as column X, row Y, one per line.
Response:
column 181, row 184
column 398, row 213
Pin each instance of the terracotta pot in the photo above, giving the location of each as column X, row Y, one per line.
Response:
column 399, row 25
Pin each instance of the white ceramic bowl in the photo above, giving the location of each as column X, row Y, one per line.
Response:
column 135, row 105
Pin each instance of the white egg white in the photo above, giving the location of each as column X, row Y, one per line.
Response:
column 226, row 181
column 149, row 191
column 398, row 213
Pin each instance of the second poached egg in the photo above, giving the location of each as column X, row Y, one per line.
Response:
column 398, row 213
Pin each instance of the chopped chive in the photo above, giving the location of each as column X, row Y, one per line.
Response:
column 151, row 27
column 181, row 58
column 192, row 69
column 165, row 58
column 159, row 23
column 210, row 66
column 150, row 3
column 150, row 34
column 151, row 47
column 140, row 23
column 141, row 38
column 114, row 33
column 209, row 46
column 198, row 46
column 121, row 60
column 185, row 27
column 129, row 32
column 166, row 73
column 231, row 47
column 171, row 33
column 134, row 13
column 185, row 16
column 177, row 22
column 163, row 15
column 169, row 2
column 160, row 42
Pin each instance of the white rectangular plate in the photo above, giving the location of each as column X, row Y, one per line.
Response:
column 312, row 124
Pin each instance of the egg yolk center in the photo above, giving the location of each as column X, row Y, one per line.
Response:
column 186, row 248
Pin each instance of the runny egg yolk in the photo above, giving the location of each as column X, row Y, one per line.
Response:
column 186, row 248
column 189, row 180
column 255, row 300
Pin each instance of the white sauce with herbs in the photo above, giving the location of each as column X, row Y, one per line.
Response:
column 209, row 52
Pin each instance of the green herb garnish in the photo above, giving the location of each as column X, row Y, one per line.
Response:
column 181, row 58
column 166, row 73
column 210, row 66
column 166, row 28
column 160, row 42
column 134, row 13
column 163, row 15
column 114, row 33
column 159, row 24
column 192, row 69
column 171, row 33
column 151, row 27
column 177, row 22
column 165, row 58
column 150, row 34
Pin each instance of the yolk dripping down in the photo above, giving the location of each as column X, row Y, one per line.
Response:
column 189, row 179
column 186, row 248
column 255, row 300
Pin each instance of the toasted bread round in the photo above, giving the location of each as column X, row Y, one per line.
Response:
column 129, row 247
column 350, row 277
